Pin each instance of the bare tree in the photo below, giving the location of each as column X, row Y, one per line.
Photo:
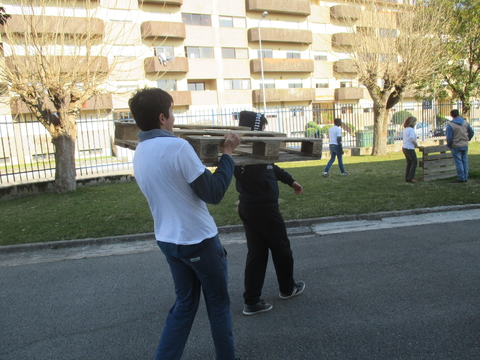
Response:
column 393, row 47
column 54, row 63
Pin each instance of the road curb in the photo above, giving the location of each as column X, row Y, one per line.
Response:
column 305, row 223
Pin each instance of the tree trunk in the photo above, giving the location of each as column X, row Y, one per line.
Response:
column 380, row 125
column 65, row 173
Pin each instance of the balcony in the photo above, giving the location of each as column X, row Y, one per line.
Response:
column 71, row 65
column 177, row 65
column 162, row 2
column 281, row 35
column 351, row 93
column 52, row 25
column 163, row 29
column 181, row 98
column 345, row 67
column 276, row 95
column 98, row 102
column 292, row 7
column 345, row 39
column 345, row 12
column 282, row 65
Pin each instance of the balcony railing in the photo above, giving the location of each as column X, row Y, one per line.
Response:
column 351, row 93
column 277, row 95
column 345, row 67
column 281, row 35
column 177, row 65
column 282, row 65
column 293, row 7
column 71, row 26
column 345, row 12
column 163, row 29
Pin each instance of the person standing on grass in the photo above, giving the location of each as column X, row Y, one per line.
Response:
column 408, row 148
column 459, row 133
column 336, row 149
column 264, row 226
column 177, row 185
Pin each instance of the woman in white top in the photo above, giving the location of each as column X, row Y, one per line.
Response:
column 408, row 148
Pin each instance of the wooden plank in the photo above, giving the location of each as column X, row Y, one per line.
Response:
column 434, row 149
column 438, row 156
column 129, row 144
column 438, row 170
column 439, row 176
column 243, row 133
column 219, row 127
column 436, row 163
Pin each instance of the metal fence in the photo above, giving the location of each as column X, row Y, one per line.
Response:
column 27, row 154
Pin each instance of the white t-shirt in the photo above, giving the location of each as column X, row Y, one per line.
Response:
column 334, row 132
column 409, row 138
column 164, row 167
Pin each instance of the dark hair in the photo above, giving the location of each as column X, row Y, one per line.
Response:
column 410, row 122
column 337, row 121
column 147, row 104
column 454, row 113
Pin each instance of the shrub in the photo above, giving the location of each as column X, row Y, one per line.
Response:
column 400, row 116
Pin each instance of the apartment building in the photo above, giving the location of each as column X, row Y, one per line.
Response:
column 222, row 53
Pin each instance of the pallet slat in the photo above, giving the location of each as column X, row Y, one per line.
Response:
column 437, row 163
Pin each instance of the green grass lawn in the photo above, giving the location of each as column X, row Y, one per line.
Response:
column 375, row 184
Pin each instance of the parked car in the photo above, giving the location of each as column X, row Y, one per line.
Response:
column 440, row 131
column 423, row 129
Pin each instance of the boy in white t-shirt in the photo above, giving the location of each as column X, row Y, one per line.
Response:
column 177, row 185
column 336, row 149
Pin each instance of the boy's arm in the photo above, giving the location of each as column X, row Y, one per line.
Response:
column 212, row 187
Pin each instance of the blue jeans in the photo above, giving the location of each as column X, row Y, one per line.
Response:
column 205, row 269
column 335, row 152
column 460, row 156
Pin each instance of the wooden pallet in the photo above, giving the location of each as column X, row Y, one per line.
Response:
column 258, row 147
column 437, row 163
column 257, row 150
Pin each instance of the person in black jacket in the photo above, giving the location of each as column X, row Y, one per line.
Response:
column 264, row 225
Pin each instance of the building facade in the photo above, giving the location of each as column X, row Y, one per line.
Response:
column 222, row 54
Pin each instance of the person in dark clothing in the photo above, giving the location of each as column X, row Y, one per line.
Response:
column 264, row 225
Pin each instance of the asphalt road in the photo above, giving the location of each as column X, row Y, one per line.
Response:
column 406, row 291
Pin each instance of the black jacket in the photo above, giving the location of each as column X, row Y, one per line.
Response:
column 258, row 184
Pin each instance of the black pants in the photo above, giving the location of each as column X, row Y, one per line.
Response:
column 265, row 230
column 411, row 157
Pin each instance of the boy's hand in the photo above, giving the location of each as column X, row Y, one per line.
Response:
column 297, row 188
column 232, row 140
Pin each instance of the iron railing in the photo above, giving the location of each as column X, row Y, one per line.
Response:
column 27, row 154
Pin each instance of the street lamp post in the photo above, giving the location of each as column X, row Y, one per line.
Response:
column 264, row 15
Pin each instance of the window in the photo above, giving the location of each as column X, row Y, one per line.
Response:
column 387, row 33
column 167, row 85
column 237, row 84
column 320, row 57
column 295, row 83
column 197, row 19
column 321, row 84
column 196, row 86
column 266, row 53
column 199, row 52
column 269, row 84
column 293, row 55
column 232, row 53
column 345, row 83
column 166, row 50
column 232, row 21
